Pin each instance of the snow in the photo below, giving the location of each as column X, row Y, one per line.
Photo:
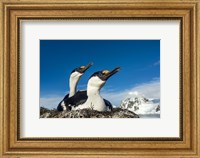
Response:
column 141, row 105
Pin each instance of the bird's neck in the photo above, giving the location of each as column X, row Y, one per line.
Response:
column 93, row 91
column 73, row 86
column 94, row 100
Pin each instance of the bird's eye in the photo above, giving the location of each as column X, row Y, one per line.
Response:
column 100, row 75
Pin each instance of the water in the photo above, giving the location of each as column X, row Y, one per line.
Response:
column 149, row 115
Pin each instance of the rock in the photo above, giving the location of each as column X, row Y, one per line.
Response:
column 87, row 113
column 158, row 108
column 43, row 110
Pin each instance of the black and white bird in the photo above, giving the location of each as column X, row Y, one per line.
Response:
column 91, row 99
column 75, row 76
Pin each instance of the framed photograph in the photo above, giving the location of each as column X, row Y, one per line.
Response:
column 99, row 79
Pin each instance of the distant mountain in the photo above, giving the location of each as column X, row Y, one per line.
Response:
column 141, row 105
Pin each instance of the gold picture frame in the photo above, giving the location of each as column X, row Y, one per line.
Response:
column 12, row 12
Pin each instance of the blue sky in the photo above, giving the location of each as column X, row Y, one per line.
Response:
column 139, row 61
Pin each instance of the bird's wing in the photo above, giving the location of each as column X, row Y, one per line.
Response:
column 108, row 104
column 79, row 98
column 66, row 96
column 59, row 107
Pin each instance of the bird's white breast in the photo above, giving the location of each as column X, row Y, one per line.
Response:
column 94, row 103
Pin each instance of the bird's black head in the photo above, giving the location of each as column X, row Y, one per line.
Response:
column 105, row 74
column 82, row 69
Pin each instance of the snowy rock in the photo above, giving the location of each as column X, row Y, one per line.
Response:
column 87, row 113
column 141, row 105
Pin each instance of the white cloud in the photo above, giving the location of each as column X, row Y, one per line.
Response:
column 150, row 89
column 50, row 102
column 156, row 63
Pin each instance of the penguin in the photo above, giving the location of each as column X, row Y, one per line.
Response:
column 91, row 99
column 75, row 76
